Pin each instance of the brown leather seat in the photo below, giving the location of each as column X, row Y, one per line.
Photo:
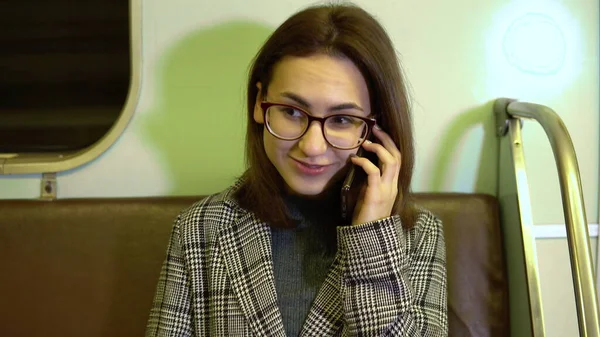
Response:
column 477, row 279
column 89, row 267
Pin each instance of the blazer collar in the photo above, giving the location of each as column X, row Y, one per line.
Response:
column 246, row 246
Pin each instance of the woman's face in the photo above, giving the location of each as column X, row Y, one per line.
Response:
column 321, row 85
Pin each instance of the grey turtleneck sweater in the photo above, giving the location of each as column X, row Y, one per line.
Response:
column 301, row 259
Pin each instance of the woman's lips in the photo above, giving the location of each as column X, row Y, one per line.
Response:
column 310, row 169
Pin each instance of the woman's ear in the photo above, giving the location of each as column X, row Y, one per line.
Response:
column 258, row 113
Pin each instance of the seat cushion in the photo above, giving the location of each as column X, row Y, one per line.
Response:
column 477, row 279
column 82, row 267
column 89, row 267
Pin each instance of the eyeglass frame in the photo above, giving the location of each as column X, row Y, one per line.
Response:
column 265, row 105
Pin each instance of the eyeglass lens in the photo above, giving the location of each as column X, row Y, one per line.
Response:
column 341, row 131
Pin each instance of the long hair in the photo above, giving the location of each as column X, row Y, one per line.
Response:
column 335, row 30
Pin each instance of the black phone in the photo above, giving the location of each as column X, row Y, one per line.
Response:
column 346, row 206
column 350, row 189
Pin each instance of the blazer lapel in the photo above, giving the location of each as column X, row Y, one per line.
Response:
column 246, row 246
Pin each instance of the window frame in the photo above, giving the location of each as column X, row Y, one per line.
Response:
column 34, row 163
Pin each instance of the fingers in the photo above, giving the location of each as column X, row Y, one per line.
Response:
column 389, row 165
column 389, row 157
column 378, row 196
column 387, row 142
column 372, row 171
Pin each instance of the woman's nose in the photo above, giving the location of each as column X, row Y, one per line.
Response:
column 313, row 143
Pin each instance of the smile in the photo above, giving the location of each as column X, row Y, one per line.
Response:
column 309, row 168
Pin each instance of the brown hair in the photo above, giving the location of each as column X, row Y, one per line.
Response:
column 336, row 30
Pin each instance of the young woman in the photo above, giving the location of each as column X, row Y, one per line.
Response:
column 271, row 255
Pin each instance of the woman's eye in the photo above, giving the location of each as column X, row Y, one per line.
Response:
column 341, row 120
column 291, row 112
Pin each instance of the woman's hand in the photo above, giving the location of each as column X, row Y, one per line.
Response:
column 376, row 199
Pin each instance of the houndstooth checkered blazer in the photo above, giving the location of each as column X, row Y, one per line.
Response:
column 218, row 280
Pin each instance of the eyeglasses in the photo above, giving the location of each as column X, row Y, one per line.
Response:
column 288, row 122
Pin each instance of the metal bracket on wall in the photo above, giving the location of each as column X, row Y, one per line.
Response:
column 502, row 117
column 48, row 188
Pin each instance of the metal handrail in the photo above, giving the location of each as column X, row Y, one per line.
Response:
column 576, row 223
column 526, row 313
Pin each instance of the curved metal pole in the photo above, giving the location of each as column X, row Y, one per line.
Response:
column 576, row 222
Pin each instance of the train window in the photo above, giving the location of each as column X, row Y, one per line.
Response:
column 68, row 80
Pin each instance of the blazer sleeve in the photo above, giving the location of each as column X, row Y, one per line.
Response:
column 171, row 313
column 394, row 284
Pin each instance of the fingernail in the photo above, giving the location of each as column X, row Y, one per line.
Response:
column 353, row 155
column 377, row 127
column 368, row 141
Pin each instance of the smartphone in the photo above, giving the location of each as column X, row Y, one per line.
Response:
column 346, row 208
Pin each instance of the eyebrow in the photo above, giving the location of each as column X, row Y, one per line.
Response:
column 304, row 103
